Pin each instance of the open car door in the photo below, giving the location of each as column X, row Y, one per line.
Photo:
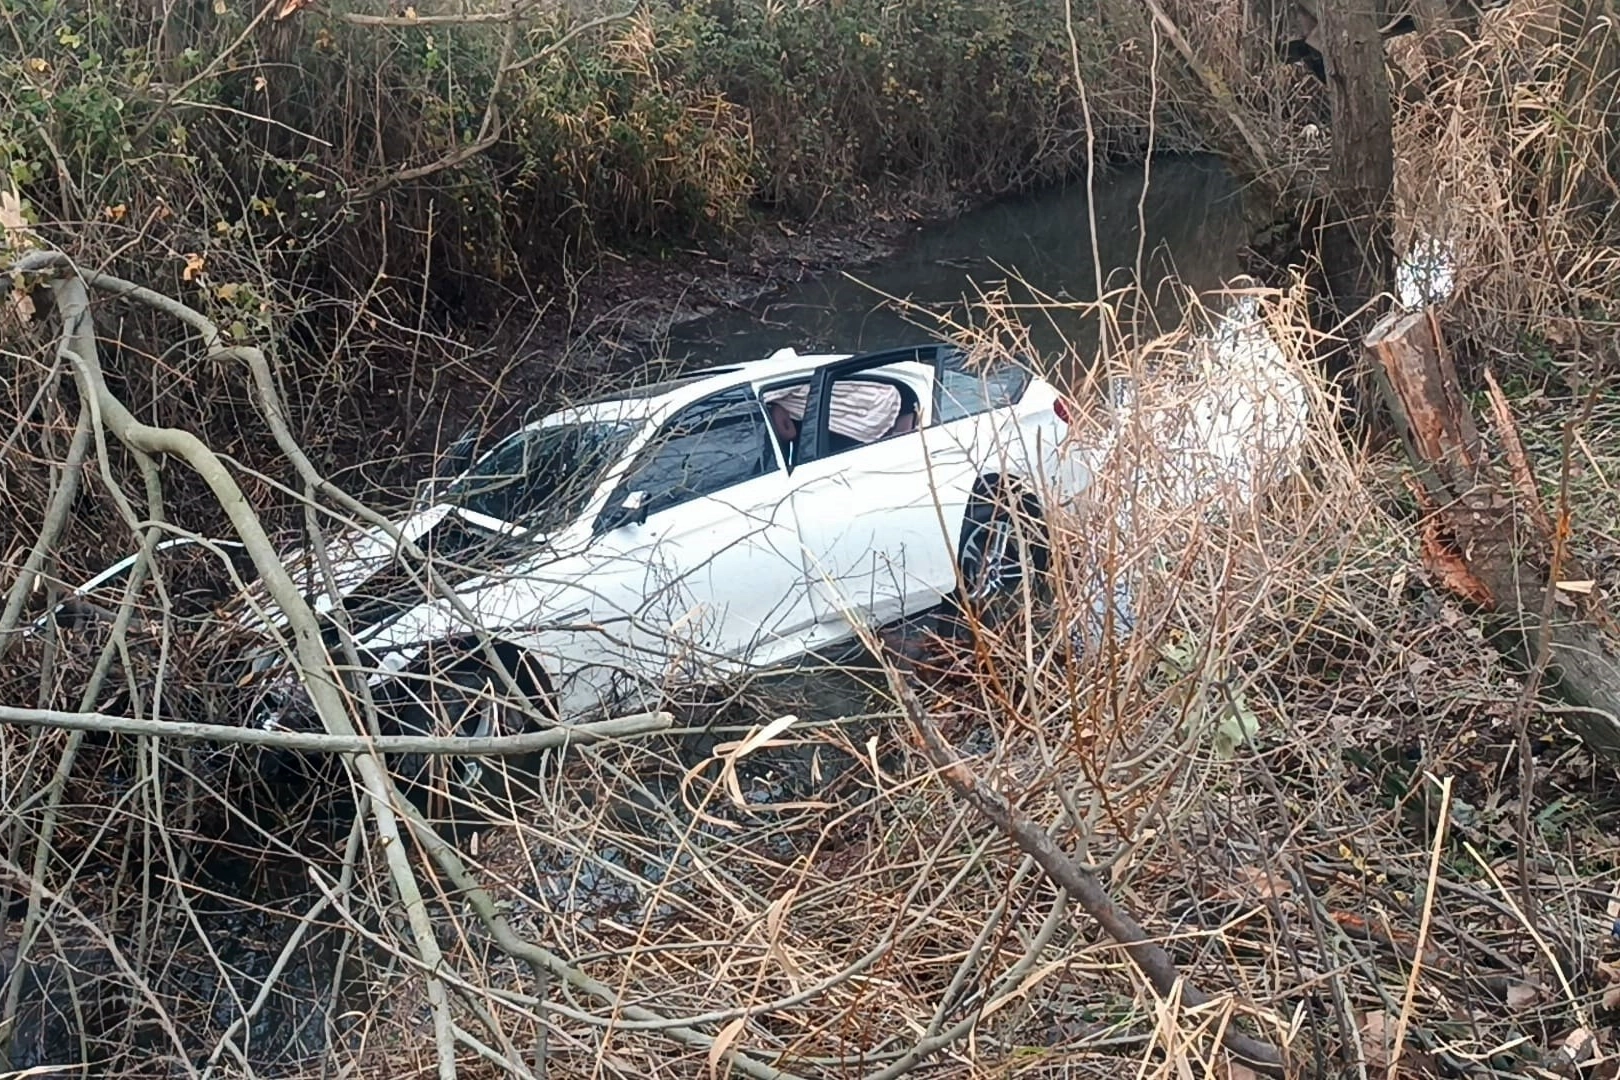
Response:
column 879, row 518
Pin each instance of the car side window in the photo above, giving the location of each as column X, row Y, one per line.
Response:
column 965, row 391
column 705, row 448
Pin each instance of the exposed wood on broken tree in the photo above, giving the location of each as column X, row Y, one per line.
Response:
column 1299, row 37
column 1486, row 536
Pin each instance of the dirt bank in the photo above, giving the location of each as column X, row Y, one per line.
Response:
column 628, row 300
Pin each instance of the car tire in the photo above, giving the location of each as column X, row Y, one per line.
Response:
column 1001, row 558
column 466, row 700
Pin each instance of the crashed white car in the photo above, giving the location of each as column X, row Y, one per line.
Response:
column 685, row 532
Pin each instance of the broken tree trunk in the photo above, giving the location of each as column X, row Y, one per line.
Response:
column 1486, row 536
column 1354, row 240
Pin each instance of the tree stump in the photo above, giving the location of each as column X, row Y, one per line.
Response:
column 1486, row 536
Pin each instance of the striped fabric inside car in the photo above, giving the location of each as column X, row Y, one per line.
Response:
column 859, row 409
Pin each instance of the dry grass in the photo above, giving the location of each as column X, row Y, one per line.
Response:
column 1291, row 876
column 850, row 908
column 1512, row 158
column 1294, row 765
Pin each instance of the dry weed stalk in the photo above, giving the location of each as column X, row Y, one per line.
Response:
column 1510, row 157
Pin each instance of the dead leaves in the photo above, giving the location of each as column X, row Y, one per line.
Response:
column 1384, row 1060
column 722, row 1043
column 1611, row 992
column 12, row 219
column 1377, row 1039
column 1522, row 996
column 1262, row 884
column 16, row 236
column 1579, row 1045
column 730, row 756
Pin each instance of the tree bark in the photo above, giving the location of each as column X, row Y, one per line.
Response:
column 1355, row 238
column 1356, row 244
column 1485, row 536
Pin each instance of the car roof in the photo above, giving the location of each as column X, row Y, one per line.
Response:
column 639, row 403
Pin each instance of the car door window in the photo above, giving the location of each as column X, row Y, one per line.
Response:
column 707, row 447
column 859, row 411
column 965, row 390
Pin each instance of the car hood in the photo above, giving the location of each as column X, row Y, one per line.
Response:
column 368, row 573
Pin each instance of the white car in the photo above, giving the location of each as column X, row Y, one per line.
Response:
column 686, row 532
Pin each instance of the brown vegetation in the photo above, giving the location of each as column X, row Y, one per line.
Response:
column 1289, row 767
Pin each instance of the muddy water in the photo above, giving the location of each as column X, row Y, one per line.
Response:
column 1184, row 217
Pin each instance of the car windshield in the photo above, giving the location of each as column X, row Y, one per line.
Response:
column 543, row 477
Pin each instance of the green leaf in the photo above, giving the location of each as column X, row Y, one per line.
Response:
column 1235, row 727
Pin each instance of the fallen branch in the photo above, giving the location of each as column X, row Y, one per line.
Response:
column 1218, row 91
column 1081, row 884
column 620, row 727
column 315, row 666
column 276, row 417
column 547, row 965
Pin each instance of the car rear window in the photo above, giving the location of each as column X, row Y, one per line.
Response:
column 969, row 389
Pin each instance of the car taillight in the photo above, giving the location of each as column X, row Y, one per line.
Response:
column 1061, row 408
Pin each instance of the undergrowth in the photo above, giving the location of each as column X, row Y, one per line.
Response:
column 1295, row 725
column 667, row 126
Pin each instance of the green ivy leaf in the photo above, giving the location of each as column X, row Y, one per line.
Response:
column 1237, row 724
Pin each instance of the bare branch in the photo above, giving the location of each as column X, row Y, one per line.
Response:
column 315, row 666
column 471, row 18
column 619, row 727
column 1218, row 91
column 584, row 27
column 276, row 416
column 56, row 518
column 456, row 157
column 1150, row 958
column 545, row 963
column 489, row 130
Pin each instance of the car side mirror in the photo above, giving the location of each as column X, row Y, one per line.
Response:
column 631, row 510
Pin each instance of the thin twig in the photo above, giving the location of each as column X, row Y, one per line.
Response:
column 1149, row 957
column 620, row 727
column 1405, row 1017
column 312, row 661
column 56, row 519
column 541, row 959
column 584, row 27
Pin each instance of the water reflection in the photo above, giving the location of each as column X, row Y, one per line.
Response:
column 1183, row 216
